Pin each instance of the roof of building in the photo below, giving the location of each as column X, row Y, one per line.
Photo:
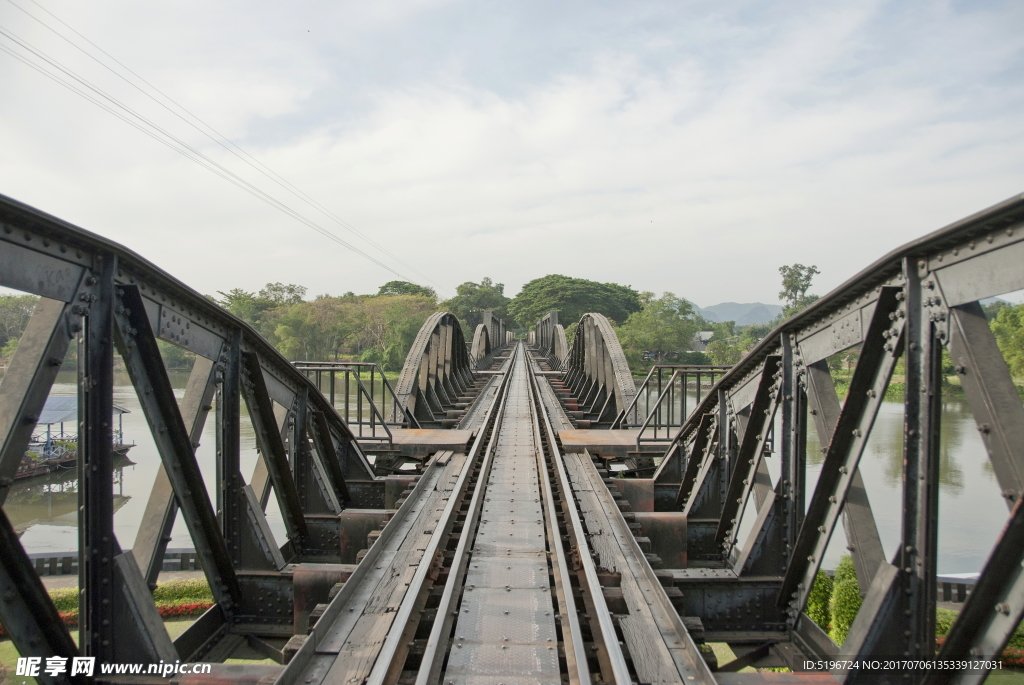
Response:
column 65, row 410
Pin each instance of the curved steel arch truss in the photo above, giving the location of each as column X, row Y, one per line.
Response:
column 108, row 300
column 597, row 372
column 909, row 306
column 549, row 337
column 438, row 372
column 489, row 337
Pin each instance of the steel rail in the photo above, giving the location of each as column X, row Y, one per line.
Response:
column 350, row 368
column 384, row 665
column 433, row 656
column 669, row 387
column 660, row 602
column 613, row 650
column 323, row 627
column 711, row 370
column 575, row 654
column 574, row 650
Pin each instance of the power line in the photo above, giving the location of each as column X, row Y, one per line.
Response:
column 206, row 161
column 220, row 138
column 196, row 157
column 262, row 168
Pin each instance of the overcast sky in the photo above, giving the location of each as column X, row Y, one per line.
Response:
column 691, row 147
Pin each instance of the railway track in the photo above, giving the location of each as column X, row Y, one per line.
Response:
column 487, row 573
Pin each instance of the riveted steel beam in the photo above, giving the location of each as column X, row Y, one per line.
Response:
column 867, row 390
column 138, row 347
column 28, row 379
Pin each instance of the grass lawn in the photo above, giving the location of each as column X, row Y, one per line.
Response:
column 9, row 654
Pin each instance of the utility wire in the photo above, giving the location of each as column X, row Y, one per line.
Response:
column 201, row 160
column 190, row 152
column 220, row 138
column 262, row 168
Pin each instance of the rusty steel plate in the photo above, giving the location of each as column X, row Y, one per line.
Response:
column 506, row 616
column 491, row 663
column 504, row 536
column 524, row 508
column 529, row 571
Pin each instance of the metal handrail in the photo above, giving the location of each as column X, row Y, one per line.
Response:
column 379, row 409
column 663, row 413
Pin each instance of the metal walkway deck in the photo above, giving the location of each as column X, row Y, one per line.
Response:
column 505, row 631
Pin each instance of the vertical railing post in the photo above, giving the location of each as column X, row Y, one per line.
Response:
column 794, row 441
column 359, row 406
column 231, row 510
column 97, row 544
column 917, row 555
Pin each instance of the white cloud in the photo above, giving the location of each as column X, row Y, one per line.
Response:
column 695, row 156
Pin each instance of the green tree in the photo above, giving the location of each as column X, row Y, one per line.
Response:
column 15, row 311
column 405, row 288
column 723, row 330
column 1008, row 327
column 572, row 297
column 9, row 348
column 279, row 293
column 175, row 357
column 992, row 309
column 723, row 353
column 846, row 599
column 663, row 325
column 247, row 306
column 471, row 299
column 252, row 307
column 820, row 599
column 796, row 279
column 389, row 324
column 756, row 332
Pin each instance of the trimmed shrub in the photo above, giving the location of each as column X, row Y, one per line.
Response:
column 65, row 599
column 846, row 602
column 944, row 621
column 846, row 599
column 844, row 570
column 183, row 609
column 174, row 599
column 182, row 591
column 818, row 602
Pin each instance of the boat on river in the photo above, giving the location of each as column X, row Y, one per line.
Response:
column 52, row 448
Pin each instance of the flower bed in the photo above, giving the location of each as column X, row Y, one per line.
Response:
column 176, row 599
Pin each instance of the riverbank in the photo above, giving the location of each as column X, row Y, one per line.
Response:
column 897, row 390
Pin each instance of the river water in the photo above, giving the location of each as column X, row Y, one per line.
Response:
column 45, row 512
column 971, row 509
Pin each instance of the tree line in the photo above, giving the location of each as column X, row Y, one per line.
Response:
column 380, row 327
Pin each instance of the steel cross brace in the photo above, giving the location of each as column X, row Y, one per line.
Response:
column 138, row 346
column 858, row 519
column 867, row 390
column 28, row 380
column 750, row 454
column 27, row 612
column 271, row 445
column 162, row 507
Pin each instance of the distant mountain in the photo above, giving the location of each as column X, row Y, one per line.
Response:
column 743, row 314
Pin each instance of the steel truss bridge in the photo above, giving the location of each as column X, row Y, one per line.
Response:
column 464, row 526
